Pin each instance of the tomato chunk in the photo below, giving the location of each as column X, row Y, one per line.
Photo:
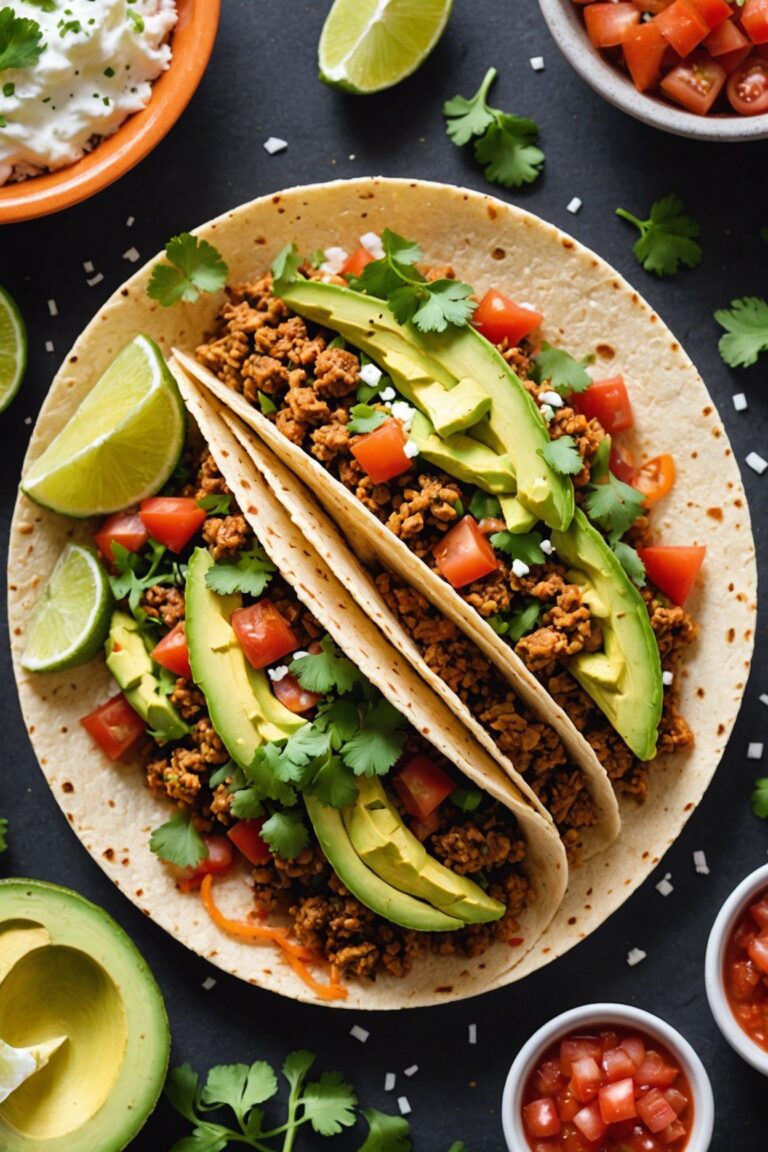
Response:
column 498, row 318
column 608, row 24
column 426, row 827
column 654, row 1072
column 578, row 1049
column 124, row 528
column 464, row 555
column 590, row 1123
column 606, row 401
column 747, row 88
column 618, row 1064
column 754, row 17
column 654, row 478
column 264, row 633
column 655, row 1111
column 759, row 913
column 617, row 1101
column 676, row 1131
column 172, row 520
column 586, row 1078
column 172, row 652
column 114, row 726
column 217, row 863
column 682, row 26
column 355, row 263
column 714, row 12
column 541, row 1118
column 293, row 697
column 672, row 568
column 727, row 37
column 382, row 452
column 422, row 786
column 695, row 83
column 246, row 836
column 644, row 48
column 758, row 952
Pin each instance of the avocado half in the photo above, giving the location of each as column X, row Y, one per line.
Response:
column 67, row 969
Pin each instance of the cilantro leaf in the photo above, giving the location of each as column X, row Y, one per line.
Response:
column 378, row 742
column 614, row 506
column 297, row 1065
column 385, row 1133
column 267, row 405
column 746, row 325
column 329, row 1104
column 19, row 40
column 630, row 562
column 517, row 623
column 135, row 572
column 239, row 1087
column 246, row 804
column 305, row 744
column 326, row 671
column 365, row 418
column 250, row 573
column 285, row 268
column 339, row 718
column 182, row 1091
column 525, row 546
column 3, row 833
column 484, row 506
column 206, row 1137
column 563, row 372
column 467, row 118
column 266, row 773
column 666, row 237
column 217, row 504
column 466, row 799
column 178, row 842
column 508, row 151
column 562, row 455
column 760, row 798
column 286, row 834
column 195, row 266
column 334, row 785
column 439, row 304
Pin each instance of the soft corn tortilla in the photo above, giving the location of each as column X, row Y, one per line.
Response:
column 589, row 308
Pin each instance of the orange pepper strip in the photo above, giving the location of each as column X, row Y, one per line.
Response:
column 296, row 956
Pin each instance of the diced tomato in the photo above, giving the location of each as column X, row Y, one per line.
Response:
column 264, row 633
column 654, row 478
column 549, row 1080
column 676, row 1099
column 293, row 697
column 617, row 1101
column 124, row 528
column 713, row 11
column 172, row 652
column 727, row 37
column 217, row 863
column 759, row 912
column 743, row 934
column 635, row 1048
column 464, row 555
column 498, row 318
column 608, row 24
column 608, row 1040
column 586, row 1078
column 747, row 89
column 682, row 26
column 695, row 83
column 427, row 827
column 422, row 786
column 758, row 952
column 618, row 1064
column 608, row 402
column 621, row 466
column 672, row 568
column 744, row 978
column 246, row 836
column 172, row 520
column 541, row 1118
column 655, row 1111
column 382, row 452
column 571, row 1140
column 654, row 1072
column 114, row 726
column 676, row 1131
column 578, row 1048
column 730, row 61
column 567, row 1105
column 644, row 48
column 590, row 1123
column 652, row 6
column 355, row 263
column 754, row 17
column 641, row 1140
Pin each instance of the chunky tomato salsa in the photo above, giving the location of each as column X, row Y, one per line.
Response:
column 745, row 971
column 610, row 1090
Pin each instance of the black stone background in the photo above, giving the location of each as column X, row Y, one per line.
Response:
column 261, row 82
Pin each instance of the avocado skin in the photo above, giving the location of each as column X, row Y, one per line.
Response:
column 244, row 711
column 624, row 680
column 415, row 358
column 389, row 849
column 131, row 665
column 369, row 888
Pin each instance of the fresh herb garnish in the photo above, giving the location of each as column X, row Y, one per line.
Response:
column 614, row 506
column 20, row 40
column 267, row 405
column 286, row 834
column 326, row 671
column 666, row 237
column 484, row 506
column 517, row 623
column 563, row 372
column 285, row 268
column 178, row 842
column 195, row 266
column 365, row 418
column 217, row 504
column 746, row 324
column 525, row 546
column 378, row 742
column 760, row 798
column 3, row 833
column 562, row 455
column 135, row 572
column 250, row 573
column 466, row 799
column 505, row 144
column 630, row 561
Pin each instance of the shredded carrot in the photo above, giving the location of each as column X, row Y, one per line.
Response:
column 296, row 956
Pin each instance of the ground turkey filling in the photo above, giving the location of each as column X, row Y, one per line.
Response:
column 305, row 892
column 264, row 351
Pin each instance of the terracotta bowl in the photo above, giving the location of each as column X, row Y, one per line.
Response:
column 192, row 42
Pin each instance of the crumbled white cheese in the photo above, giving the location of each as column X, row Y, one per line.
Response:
column 387, row 393
column 547, row 412
column 94, row 280
column 88, row 267
column 664, row 887
column 547, row 547
column 359, row 1033
column 635, row 956
column 53, row 309
column 49, row 345
column 27, row 419
column 411, row 449
column 403, row 412
column 389, row 1082
column 757, row 463
column 371, row 241
column 537, row 63
column 667, row 678
column 132, row 255
column 472, row 1037
column 274, row 144
column 573, row 206
column 519, row 568
column 754, row 751
column 700, row 863
column 739, row 401
column 277, row 674
column 764, row 698
column 403, row 1105
column 335, row 259
column 371, row 375
column 411, row 1070
column 298, row 655
column 209, row 983
column 554, row 399
column 130, row 222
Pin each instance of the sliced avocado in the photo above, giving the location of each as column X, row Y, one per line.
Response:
column 244, row 710
column 464, row 458
column 413, row 358
column 369, row 888
column 624, row 679
column 389, row 849
column 86, row 982
column 456, row 409
column 131, row 665
column 516, row 516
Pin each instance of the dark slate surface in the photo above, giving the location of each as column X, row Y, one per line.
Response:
column 261, row 82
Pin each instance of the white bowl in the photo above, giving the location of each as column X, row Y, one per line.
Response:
column 597, row 1015
column 567, row 27
column 731, row 911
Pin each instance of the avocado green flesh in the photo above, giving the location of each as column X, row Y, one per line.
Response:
column 70, row 971
column 415, row 359
column 464, row 458
column 389, row 849
column 244, row 711
column 131, row 665
column 370, row 889
column 516, row 516
column 624, row 679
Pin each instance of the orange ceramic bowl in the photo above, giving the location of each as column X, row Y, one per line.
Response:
column 192, row 42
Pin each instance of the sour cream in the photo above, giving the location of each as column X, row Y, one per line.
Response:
column 96, row 69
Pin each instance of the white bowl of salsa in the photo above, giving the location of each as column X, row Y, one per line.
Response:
column 607, row 1078
column 736, row 970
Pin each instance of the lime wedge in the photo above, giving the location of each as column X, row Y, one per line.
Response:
column 18, row 1064
column 368, row 45
column 122, row 443
column 13, row 349
column 71, row 619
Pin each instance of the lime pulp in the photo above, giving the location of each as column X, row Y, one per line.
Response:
column 71, row 619
column 13, row 349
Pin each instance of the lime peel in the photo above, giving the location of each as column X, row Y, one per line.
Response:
column 13, row 349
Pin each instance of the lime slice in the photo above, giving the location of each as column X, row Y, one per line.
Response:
column 71, row 619
column 18, row 1064
column 122, row 443
column 13, row 349
column 368, row 45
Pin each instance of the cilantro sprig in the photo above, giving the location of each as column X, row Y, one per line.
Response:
column 563, row 456
column 20, row 40
column 746, row 336
column 760, row 798
column 250, row 573
column 561, row 371
column 614, row 506
column 178, row 842
column 517, row 623
column 667, row 237
column 194, row 266
column 365, row 418
column 134, row 572
column 506, row 145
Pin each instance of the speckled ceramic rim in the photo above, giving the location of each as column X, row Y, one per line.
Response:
column 730, row 912
column 596, row 1015
column 564, row 21
column 192, row 43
